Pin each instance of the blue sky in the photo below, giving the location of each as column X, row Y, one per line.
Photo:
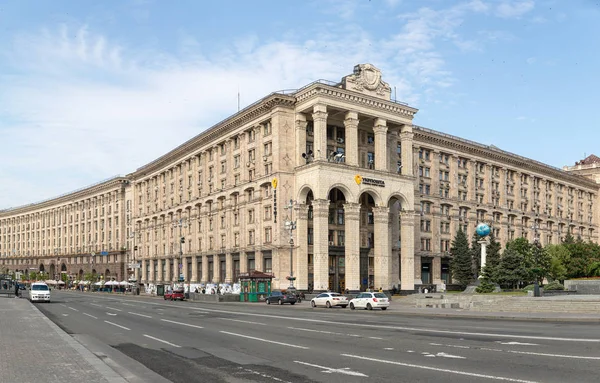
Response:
column 80, row 81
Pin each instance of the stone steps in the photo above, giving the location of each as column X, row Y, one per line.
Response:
column 533, row 305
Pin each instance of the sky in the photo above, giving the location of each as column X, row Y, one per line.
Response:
column 89, row 90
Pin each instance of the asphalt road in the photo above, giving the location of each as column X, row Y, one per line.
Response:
column 184, row 341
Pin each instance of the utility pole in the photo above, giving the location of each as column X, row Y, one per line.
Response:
column 181, row 242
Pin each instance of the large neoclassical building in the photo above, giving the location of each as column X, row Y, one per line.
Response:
column 375, row 199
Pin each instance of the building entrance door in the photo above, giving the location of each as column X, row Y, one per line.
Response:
column 337, row 271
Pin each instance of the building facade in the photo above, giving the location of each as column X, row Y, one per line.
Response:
column 374, row 200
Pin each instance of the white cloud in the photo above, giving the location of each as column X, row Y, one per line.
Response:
column 514, row 9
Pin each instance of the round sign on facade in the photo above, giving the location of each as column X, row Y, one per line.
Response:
column 482, row 230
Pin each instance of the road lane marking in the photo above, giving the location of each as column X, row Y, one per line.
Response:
column 111, row 308
column 457, row 372
column 329, row 370
column 95, row 304
column 329, row 332
column 140, row 315
column 117, row 325
column 265, row 340
column 111, row 314
column 181, row 323
column 243, row 321
column 518, row 343
column 262, row 374
column 62, row 304
column 65, row 315
column 444, row 355
column 91, row 316
column 160, row 340
column 384, row 327
column 375, row 337
column 543, row 354
column 72, row 308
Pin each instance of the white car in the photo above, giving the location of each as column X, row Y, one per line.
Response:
column 40, row 292
column 329, row 300
column 370, row 301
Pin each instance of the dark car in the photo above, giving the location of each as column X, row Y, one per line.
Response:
column 174, row 295
column 281, row 298
column 22, row 286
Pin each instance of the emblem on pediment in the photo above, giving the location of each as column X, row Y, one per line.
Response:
column 367, row 79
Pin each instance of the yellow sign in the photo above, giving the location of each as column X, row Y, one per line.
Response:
column 358, row 179
column 274, row 183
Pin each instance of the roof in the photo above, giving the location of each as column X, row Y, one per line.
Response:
column 591, row 159
column 255, row 274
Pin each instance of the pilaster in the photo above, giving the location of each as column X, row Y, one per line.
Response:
column 205, row 276
column 194, row 278
column 352, row 246
column 159, row 273
column 168, row 272
column 301, row 124
column 383, row 264
column 407, row 251
column 301, row 264
column 228, row 268
column 216, row 269
column 394, row 229
column 320, row 244
column 258, row 261
column 185, row 271
column 406, row 146
column 243, row 262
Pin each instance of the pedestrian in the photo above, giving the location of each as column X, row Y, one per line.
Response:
column 16, row 290
column 380, row 289
column 196, row 290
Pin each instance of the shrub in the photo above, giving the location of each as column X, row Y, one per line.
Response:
column 528, row 288
column 485, row 286
column 554, row 286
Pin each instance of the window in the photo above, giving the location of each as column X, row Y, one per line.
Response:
column 426, row 207
column 267, row 128
column 251, row 237
column 267, row 213
column 251, row 216
column 424, row 171
column 425, row 244
column 267, row 148
column 267, row 235
column 424, row 154
column 424, row 189
column 425, row 225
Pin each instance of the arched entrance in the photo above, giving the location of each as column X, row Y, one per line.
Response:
column 107, row 275
column 336, row 235
column 52, row 272
column 80, row 275
column 367, row 238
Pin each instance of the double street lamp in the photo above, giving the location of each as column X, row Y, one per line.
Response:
column 181, row 275
column 290, row 225
column 537, row 248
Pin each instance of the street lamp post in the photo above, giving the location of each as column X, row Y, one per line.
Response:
column 181, row 242
column 537, row 247
column 290, row 225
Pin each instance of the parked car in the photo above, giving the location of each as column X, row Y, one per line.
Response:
column 174, row 295
column 329, row 300
column 281, row 298
column 370, row 301
column 40, row 292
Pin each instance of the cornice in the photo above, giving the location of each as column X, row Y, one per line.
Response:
column 473, row 148
column 76, row 196
column 348, row 96
column 216, row 132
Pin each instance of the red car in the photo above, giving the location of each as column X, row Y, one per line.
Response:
column 174, row 295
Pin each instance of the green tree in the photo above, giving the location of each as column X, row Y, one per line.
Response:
column 476, row 254
column 559, row 258
column 537, row 262
column 594, row 270
column 512, row 268
column 583, row 254
column 462, row 262
column 493, row 258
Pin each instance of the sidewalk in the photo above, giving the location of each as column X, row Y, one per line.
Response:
column 34, row 349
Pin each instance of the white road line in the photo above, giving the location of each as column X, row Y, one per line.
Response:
column 329, row 332
column 111, row 314
column 62, row 304
column 95, row 304
column 375, row 337
column 181, row 323
column 329, row 370
column 129, row 304
column 163, row 341
column 72, row 308
column 518, row 343
column 265, row 340
column 117, row 325
column 457, row 372
column 65, row 315
column 543, row 354
column 140, row 315
column 111, row 308
column 91, row 316
column 243, row 321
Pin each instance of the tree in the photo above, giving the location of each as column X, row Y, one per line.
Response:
column 512, row 268
column 559, row 258
column 462, row 262
column 594, row 269
column 476, row 254
column 493, row 258
column 537, row 261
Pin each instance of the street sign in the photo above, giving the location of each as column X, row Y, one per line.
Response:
column 104, row 253
column 134, row 266
column 92, row 254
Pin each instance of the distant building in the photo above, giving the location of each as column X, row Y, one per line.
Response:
column 589, row 167
column 376, row 200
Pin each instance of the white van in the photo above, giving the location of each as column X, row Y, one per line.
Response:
column 40, row 292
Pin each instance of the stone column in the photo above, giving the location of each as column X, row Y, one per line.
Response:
column 185, row 270
column 175, row 270
column 159, row 273
column 168, row 271
column 320, row 126
column 300, row 138
column 243, row 262
column 406, row 145
column 301, row 264
column 383, row 264
column 320, row 244
column 394, row 245
column 205, row 277
column 407, row 260
column 228, row 268
column 143, row 278
column 352, row 246
column 258, row 261
column 436, row 270
column 380, row 129
column 351, row 125
column 216, row 269
column 194, row 269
